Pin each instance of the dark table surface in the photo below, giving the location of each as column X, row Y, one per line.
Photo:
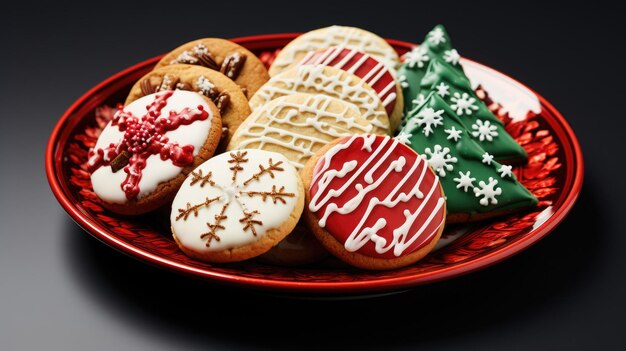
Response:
column 60, row 289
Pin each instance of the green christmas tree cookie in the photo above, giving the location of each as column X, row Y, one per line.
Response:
column 475, row 185
column 436, row 44
column 483, row 126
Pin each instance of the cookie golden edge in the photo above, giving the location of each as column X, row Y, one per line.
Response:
column 336, row 248
column 395, row 118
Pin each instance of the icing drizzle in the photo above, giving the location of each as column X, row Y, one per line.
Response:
column 328, row 81
column 303, row 127
column 143, row 137
column 362, row 65
column 362, row 185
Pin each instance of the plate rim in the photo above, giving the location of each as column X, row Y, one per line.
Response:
column 369, row 286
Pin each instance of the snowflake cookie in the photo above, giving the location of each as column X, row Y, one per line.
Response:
column 136, row 164
column 236, row 206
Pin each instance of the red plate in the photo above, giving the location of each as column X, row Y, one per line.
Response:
column 554, row 174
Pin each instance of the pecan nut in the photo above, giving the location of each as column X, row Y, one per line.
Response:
column 231, row 67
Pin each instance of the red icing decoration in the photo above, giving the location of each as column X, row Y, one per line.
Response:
column 361, row 65
column 144, row 137
column 386, row 151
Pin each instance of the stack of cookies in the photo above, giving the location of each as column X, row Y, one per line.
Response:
column 290, row 165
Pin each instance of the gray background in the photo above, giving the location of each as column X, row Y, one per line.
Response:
column 60, row 289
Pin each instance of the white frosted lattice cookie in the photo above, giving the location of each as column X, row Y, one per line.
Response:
column 323, row 38
column 330, row 81
column 237, row 205
column 298, row 125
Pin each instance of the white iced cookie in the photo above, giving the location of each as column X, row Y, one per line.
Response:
column 298, row 125
column 322, row 38
column 329, row 81
column 237, row 205
column 143, row 155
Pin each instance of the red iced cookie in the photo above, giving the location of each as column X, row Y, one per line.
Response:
column 374, row 202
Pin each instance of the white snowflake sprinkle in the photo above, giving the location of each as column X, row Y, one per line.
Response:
column 420, row 99
column 484, row 130
column 488, row 191
column 463, row 104
column 465, row 181
column 440, row 159
column 443, row 89
column 404, row 138
column 437, row 36
column 200, row 49
column 452, row 56
column 487, row 158
column 403, row 82
column 204, row 85
column 506, row 171
column 416, row 57
column 453, row 133
column 429, row 118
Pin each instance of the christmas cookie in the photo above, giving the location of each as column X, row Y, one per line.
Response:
column 236, row 206
column 476, row 186
column 298, row 125
column 226, row 95
column 415, row 63
column 323, row 38
column 330, row 81
column 373, row 202
column 232, row 60
column 145, row 152
column 373, row 72
column 485, row 128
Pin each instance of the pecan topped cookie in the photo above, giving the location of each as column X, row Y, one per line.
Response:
column 232, row 60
